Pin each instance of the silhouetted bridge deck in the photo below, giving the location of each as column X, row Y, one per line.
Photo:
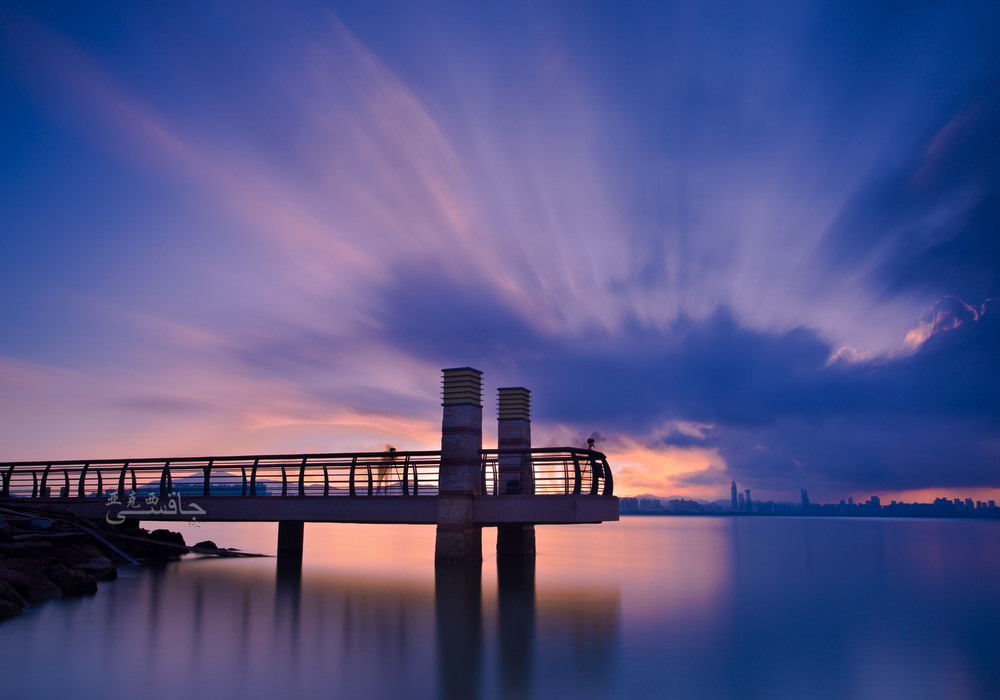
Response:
column 564, row 485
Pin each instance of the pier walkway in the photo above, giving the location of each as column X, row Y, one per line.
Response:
column 460, row 489
column 569, row 486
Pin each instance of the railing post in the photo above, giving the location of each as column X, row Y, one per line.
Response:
column 371, row 480
column 350, row 484
column 164, row 479
column 243, row 473
column 100, row 485
column 83, row 478
column 207, row 490
column 253, row 477
column 45, row 477
column 406, row 476
column 284, row 481
column 66, row 482
column 595, row 475
column 34, row 484
column 302, row 477
column 135, row 486
column 609, row 481
column 326, row 480
column 577, row 475
column 121, row 480
column 6, row 481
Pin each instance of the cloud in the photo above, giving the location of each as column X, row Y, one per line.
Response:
column 707, row 256
column 947, row 314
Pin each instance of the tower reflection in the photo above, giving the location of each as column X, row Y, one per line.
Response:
column 516, row 612
column 458, row 595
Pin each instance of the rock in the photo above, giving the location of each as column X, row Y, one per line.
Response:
column 166, row 536
column 10, row 594
column 70, row 556
column 16, row 579
column 39, row 524
column 8, row 609
column 207, row 544
column 100, row 568
column 40, row 588
column 90, row 551
column 26, row 550
column 73, row 583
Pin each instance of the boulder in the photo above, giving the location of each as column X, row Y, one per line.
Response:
column 90, row 551
column 100, row 568
column 16, row 579
column 166, row 536
column 8, row 609
column 39, row 524
column 162, row 535
column 70, row 556
column 10, row 594
column 40, row 588
column 73, row 583
column 26, row 550
column 207, row 544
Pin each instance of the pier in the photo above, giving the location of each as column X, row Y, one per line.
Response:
column 459, row 489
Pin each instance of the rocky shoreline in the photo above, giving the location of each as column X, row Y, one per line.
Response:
column 45, row 554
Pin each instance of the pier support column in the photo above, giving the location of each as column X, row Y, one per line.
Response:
column 458, row 539
column 290, row 536
column 515, row 474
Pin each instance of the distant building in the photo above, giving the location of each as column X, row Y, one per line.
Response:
column 749, row 502
column 628, row 503
column 649, row 504
column 805, row 500
column 968, row 503
column 733, row 489
column 876, row 502
column 742, row 502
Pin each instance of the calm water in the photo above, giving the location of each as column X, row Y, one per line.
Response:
column 648, row 607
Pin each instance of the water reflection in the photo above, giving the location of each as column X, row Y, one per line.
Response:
column 724, row 608
column 458, row 596
column 516, row 623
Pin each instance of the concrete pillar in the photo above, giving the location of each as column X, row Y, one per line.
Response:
column 290, row 536
column 514, row 470
column 460, row 476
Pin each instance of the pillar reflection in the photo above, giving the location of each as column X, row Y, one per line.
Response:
column 458, row 595
column 516, row 610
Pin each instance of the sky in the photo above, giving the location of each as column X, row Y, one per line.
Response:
column 731, row 241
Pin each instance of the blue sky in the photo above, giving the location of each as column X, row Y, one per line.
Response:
column 736, row 242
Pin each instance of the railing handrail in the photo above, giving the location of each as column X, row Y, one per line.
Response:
column 514, row 471
column 218, row 458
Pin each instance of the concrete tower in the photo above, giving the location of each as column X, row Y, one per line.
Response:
column 461, row 443
column 515, row 475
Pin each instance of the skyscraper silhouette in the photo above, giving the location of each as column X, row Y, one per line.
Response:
column 734, row 495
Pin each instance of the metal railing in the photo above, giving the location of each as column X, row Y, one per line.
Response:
column 546, row 471
column 343, row 474
column 541, row 471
